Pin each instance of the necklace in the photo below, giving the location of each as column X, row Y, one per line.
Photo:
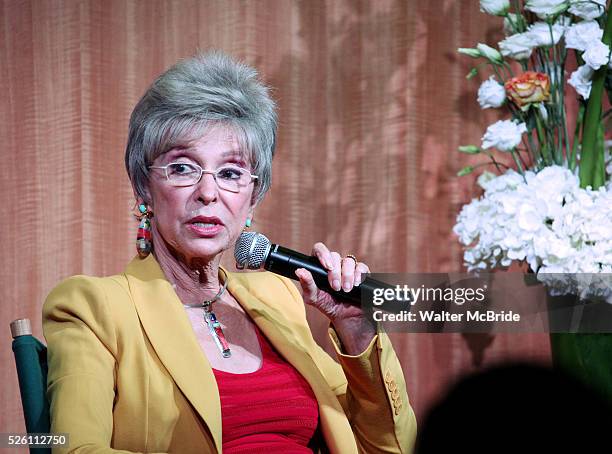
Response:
column 211, row 322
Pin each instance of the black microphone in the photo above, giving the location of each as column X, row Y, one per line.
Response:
column 254, row 251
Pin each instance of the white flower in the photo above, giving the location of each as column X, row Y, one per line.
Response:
column 484, row 178
column 504, row 135
column 509, row 181
column 587, row 9
column 490, row 53
column 495, row 7
column 491, row 94
column 579, row 36
column 470, row 52
column 596, row 55
column 545, row 8
column 529, row 217
column 517, row 46
column 544, row 34
column 581, row 80
column 546, row 219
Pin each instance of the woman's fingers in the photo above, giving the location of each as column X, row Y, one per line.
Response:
column 321, row 251
column 335, row 276
column 309, row 287
column 348, row 273
column 343, row 273
column 331, row 262
column 361, row 270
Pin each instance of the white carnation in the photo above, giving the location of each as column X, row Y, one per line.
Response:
column 544, row 218
column 546, row 8
column 581, row 80
column 491, row 94
column 504, row 135
column 508, row 181
column 495, row 7
column 579, row 36
column 484, row 178
column 517, row 46
column 543, row 34
column 587, row 9
column 596, row 55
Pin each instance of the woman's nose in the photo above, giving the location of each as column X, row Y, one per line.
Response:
column 207, row 188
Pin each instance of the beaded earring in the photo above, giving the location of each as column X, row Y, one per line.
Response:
column 247, row 224
column 143, row 237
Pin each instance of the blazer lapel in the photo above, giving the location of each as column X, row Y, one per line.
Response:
column 290, row 342
column 169, row 331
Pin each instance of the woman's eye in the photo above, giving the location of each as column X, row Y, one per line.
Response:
column 181, row 169
column 230, row 173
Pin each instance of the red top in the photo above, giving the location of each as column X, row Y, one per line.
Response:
column 271, row 410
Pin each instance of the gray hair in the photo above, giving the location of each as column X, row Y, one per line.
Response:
column 194, row 94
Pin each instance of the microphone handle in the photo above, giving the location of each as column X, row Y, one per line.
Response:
column 285, row 261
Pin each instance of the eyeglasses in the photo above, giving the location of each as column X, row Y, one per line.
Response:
column 229, row 177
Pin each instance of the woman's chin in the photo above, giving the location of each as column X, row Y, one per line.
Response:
column 205, row 250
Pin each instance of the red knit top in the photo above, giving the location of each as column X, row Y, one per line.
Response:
column 271, row 410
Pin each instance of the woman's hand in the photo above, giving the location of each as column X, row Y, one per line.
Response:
column 353, row 327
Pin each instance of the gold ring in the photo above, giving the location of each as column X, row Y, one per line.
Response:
column 351, row 256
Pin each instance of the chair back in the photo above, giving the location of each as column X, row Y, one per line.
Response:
column 31, row 362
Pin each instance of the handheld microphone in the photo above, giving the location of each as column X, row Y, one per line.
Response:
column 254, row 251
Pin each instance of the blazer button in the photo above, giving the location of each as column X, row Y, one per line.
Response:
column 398, row 407
column 388, row 377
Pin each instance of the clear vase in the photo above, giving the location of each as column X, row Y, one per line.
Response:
column 585, row 355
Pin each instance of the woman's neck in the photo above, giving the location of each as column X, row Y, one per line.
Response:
column 193, row 280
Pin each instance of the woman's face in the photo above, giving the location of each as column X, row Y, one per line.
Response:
column 182, row 216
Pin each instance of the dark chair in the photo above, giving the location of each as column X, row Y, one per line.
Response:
column 31, row 362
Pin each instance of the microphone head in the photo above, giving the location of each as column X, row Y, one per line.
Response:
column 251, row 250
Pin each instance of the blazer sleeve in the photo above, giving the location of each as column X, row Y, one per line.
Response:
column 81, row 349
column 372, row 391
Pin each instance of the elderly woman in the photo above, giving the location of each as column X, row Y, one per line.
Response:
column 179, row 355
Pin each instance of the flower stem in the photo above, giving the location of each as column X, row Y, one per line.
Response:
column 546, row 153
column 573, row 153
column 517, row 162
column 495, row 163
column 592, row 170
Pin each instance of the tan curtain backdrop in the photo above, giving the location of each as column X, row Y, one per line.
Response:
column 373, row 103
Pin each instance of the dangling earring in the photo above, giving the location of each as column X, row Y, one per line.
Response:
column 247, row 224
column 143, row 237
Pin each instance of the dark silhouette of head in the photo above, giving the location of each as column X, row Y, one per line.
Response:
column 518, row 408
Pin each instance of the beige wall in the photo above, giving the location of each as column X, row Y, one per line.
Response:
column 373, row 104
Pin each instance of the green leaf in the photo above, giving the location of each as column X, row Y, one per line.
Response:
column 469, row 149
column 592, row 168
column 465, row 171
column 472, row 73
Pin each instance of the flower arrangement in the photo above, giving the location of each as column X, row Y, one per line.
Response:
column 550, row 204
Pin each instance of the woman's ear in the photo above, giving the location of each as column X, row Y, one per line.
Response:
column 252, row 210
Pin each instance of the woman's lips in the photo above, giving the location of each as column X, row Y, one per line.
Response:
column 205, row 226
column 205, row 230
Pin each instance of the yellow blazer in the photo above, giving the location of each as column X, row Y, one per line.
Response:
column 126, row 372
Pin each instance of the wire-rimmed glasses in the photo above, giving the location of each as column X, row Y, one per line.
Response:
column 228, row 177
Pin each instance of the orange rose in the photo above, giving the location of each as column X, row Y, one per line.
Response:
column 528, row 88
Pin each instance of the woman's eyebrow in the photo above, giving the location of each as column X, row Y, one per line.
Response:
column 179, row 149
